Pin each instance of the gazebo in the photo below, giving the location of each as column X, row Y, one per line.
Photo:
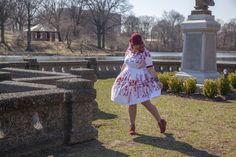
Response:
column 40, row 32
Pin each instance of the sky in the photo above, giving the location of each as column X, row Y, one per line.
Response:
column 223, row 9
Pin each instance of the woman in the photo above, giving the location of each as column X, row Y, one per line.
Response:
column 137, row 82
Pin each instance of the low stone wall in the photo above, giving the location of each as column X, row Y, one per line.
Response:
column 27, row 73
column 32, row 119
column 15, row 87
column 106, row 69
column 61, row 66
column 49, row 80
column 20, row 65
column 5, row 76
column 85, row 73
column 231, row 66
column 37, row 116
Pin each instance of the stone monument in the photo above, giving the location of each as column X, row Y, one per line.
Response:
column 199, row 49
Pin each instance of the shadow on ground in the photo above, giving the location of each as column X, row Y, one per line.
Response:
column 103, row 115
column 170, row 143
column 93, row 148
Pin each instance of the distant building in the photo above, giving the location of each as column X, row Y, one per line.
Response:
column 41, row 32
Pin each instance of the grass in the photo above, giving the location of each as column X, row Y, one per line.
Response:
column 195, row 128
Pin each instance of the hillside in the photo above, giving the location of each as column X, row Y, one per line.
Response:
column 16, row 45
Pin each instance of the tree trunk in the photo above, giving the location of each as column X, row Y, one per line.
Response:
column 59, row 36
column 29, row 48
column 20, row 26
column 99, row 38
column 2, row 33
column 103, row 40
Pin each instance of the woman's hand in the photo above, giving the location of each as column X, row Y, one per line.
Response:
column 152, row 71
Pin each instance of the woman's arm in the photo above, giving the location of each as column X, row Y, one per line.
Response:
column 152, row 71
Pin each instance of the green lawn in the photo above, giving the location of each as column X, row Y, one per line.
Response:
column 194, row 128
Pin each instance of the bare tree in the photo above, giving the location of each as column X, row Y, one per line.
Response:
column 160, row 32
column 175, row 34
column 131, row 24
column 146, row 23
column 74, row 20
column 52, row 14
column 32, row 7
column 226, row 37
column 20, row 16
column 168, row 33
column 103, row 11
column 6, row 10
column 76, row 14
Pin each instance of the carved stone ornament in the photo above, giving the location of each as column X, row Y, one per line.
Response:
column 202, row 7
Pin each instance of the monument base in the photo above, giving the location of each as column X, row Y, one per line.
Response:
column 199, row 50
column 199, row 76
column 200, row 11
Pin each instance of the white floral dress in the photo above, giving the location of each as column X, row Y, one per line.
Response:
column 135, row 84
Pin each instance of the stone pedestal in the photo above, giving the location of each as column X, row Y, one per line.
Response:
column 199, row 51
column 81, row 107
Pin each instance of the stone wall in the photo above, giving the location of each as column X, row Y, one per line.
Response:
column 81, row 106
column 28, row 73
column 37, row 116
column 21, row 115
column 106, row 69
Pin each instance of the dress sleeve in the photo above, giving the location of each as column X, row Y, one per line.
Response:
column 148, row 59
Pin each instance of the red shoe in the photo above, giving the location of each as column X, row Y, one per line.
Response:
column 132, row 130
column 162, row 125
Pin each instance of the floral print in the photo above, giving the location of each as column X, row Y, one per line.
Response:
column 135, row 84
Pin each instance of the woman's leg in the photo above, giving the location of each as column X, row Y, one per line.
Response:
column 132, row 114
column 152, row 109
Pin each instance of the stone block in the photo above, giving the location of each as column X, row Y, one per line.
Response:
column 4, row 65
column 75, row 84
column 83, row 134
column 21, row 114
column 85, row 73
column 81, row 109
column 5, row 76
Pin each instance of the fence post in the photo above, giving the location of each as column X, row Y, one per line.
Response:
column 92, row 64
column 32, row 64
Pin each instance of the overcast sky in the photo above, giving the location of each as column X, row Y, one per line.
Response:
column 223, row 9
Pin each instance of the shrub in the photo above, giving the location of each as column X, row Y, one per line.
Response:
column 223, row 86
column 210, row 88
column 175, row 85
column 164, row 78
column 189, row 86
column 232, row 79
